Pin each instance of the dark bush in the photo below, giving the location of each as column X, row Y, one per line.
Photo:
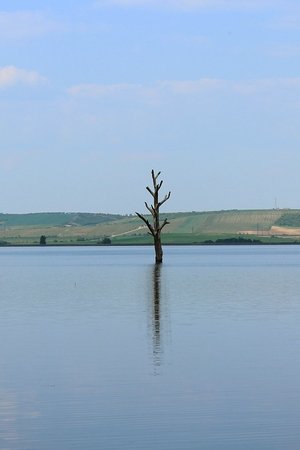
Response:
column 43, row 240
column 106, row 241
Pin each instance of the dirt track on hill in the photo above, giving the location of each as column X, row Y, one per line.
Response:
column 274, row 231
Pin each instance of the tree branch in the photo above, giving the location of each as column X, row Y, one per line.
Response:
column 165, row 199
column 147, row 223
column 159, row 185
column 151, row 209
column 165, row 222
column 154, row 177
column 149, row 190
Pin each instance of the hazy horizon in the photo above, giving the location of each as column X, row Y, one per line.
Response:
column 166, row 211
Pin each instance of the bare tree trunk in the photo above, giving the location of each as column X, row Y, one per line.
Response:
column 156, row 227
column 158, row 249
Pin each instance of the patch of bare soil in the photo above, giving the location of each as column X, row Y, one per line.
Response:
column 285, row 231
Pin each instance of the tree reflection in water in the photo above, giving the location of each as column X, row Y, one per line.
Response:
column 158, row 316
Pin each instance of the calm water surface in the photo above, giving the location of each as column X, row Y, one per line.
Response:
column 100, row 349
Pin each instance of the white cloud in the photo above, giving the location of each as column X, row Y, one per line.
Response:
column 189, row 4
column 11, row 76
column 24, row 24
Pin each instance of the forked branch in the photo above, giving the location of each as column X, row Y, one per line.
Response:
column 165, row 199
column 150, row 227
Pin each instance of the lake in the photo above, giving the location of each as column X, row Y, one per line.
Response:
column 101, row 350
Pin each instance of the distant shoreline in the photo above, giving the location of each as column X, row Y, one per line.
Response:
column 200, row 244
column 228, row 227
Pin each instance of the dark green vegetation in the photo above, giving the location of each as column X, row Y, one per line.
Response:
column 233, row 241
column 289, row 220
column 267, row 226
column 43, row 240
column 56, row 219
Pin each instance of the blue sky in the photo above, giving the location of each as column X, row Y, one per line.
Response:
column 96, row 93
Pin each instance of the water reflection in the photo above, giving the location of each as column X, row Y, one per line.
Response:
column 227, row 378
column 156, row 315
column 8, row 418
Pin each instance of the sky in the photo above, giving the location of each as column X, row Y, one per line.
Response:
column 94, row 94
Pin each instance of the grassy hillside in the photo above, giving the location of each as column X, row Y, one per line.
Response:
column 223, row 221
column 55, row 219
column 190, row 227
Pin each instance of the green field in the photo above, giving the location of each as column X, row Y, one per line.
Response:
column 185, row 227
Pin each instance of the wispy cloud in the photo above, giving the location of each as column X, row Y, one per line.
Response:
column 11, row 76
column 147, row 93
column 96, row 90
column 160, row 90
column 179, row 87
column 26, row 24
column 188, row 4
column 191, row 86
column 265, row 85
column 243, row 87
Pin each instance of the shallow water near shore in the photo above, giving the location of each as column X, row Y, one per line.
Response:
column 101, row 349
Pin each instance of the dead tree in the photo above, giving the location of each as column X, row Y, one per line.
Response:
column 155, row 227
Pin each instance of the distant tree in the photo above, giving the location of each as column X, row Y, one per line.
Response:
column 43, row 240
column 155, row 227
column 106, row 241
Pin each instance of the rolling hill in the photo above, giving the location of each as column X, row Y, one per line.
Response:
column 185, row 227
